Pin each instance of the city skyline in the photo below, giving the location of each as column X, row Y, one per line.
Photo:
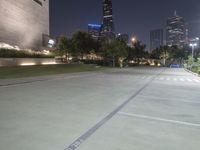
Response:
column 129, row 18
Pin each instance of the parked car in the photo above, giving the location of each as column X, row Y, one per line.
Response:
column 175, row 66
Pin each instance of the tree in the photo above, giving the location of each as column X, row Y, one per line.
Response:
column 64, row 46
column 114, row 49
column 83, row 43
column 137, row 51
column 61, row 45
column 164, row 53
column 172, row 53
column 155, row 54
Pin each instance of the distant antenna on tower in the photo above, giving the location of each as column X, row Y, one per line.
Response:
column 175, row 13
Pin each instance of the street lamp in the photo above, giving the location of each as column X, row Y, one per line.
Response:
column 133, row 39
column 193, row 45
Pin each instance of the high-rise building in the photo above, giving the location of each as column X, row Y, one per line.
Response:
column 176, row 31
column 95, row 30
column 108, row 23
column 24, row 23
column 156, row 39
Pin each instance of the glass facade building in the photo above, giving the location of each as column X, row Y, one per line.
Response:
column 108, row 23
column 156, row 39
column 176, row 31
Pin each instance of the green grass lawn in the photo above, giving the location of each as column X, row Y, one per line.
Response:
column 31, row 71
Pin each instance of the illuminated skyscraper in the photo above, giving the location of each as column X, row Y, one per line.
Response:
column 176, row 31
column 24, row 23
column 108, row 24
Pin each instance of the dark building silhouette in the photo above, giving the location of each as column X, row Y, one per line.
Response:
column 176, row 31
column 156, row 39
column 108, row 23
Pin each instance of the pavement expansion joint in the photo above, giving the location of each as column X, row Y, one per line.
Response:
column 92, row 130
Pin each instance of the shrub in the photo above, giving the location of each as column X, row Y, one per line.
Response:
column 10, row 53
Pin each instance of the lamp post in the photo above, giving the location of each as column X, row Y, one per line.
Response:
column 193, row 45
column 133, row 40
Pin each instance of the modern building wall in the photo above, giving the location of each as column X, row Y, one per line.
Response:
column 156, row 39
column 4, row 62
column 24, row 22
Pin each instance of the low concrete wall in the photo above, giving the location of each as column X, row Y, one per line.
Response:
column 26, row 61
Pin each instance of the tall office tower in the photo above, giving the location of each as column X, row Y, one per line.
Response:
column 108, row 24
column 156, row 39
column 24, row 23
column 176, row 31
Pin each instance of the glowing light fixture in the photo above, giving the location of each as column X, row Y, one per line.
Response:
column 27, row 64
column 51, row 43
column 133, row 39
column 49, row 63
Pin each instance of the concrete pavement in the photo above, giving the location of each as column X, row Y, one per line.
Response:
column 119, row 109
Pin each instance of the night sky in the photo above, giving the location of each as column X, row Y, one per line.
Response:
column 135, row 17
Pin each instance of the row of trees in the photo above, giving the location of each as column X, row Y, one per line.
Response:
column 116, row 51
column 171, row 54
column 111, row 50
column 193, row 63
column 174, row 54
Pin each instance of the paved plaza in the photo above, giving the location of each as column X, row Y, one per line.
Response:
column 140, row 108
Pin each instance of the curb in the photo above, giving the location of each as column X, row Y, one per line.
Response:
column 196, row 74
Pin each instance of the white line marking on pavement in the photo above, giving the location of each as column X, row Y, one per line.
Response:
column 159, row 119
column 149, row 77
column 182, row 79
column 189, row 80
column 174, row 79
column 170, row 99
column 196, row 80
column 161, row 78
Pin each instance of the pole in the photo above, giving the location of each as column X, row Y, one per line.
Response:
column 193, row 46
column 192, row 55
